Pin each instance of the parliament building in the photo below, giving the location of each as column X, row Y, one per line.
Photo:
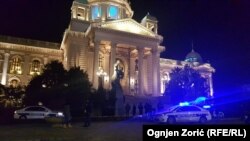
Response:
column 100, row 34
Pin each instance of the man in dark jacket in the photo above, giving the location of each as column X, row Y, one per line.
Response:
column 87, row 112
column 67, row 115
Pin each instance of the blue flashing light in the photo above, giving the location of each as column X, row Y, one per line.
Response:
column 184, row 104
column 206, row 106
column 200, row 99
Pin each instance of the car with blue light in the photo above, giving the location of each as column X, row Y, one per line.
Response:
column 36, row 112
column 184, row 114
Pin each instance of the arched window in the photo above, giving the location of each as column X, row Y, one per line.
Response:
column 113, row 12
column 35, row 67
column 14, row 83
column 15, row 66
column 81, row 13
column 96, row 12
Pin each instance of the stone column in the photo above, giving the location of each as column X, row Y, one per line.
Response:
column 129, row 71
column 112, row 60
column 140, row 71
column 96, row 58
column 106, row 68
column 45, row 60
column 156, row 29
column 156, row 72
column 5, row 68
column 27, row 64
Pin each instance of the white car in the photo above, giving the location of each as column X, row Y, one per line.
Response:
column 36, row 112
column 189, row 113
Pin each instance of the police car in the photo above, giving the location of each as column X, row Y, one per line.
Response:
column 36, row 112
column 186, row 113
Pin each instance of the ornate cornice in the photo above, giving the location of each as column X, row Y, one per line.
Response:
column 29, row 42
column 69, row 33
column 117, row 35
column 127, row 25
column 30, row 49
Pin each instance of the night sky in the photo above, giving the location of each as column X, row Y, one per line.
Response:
column 219, row 29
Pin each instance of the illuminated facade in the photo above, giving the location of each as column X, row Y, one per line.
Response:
column 100, row 33
column 20, row 59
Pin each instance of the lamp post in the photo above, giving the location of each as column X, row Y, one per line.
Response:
column 101, row 76
column 132, row 86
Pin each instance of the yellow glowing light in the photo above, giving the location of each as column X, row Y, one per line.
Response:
column 19, row 72
column 106, row 78
column 132, row 81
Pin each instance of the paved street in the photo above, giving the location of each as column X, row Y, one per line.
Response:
column 98, row 131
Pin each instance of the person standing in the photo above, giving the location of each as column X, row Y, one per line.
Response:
column 87, row 113
column 140, row 107
column 134, row 110
column 67, row 116
column 127, row 108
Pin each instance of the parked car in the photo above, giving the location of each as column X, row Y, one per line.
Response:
column 36, row 112
column 180, row 114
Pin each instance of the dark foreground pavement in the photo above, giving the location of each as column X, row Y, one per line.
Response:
column 98, row 131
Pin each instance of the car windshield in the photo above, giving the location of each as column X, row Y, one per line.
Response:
column 171, row 108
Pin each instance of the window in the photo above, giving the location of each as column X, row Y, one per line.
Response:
column 35, row 67
column 35, row 109
column 14, row 83
column 15, row 66
column 96, row 12
column 81, row 13
column 150, row 26
column 112, row 12
column 188, row 109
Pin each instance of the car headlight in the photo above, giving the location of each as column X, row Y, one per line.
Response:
column 60, row 114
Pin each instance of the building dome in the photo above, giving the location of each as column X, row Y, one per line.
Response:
column 107, row 10
column 193, row 57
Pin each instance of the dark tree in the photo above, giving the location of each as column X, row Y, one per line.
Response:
column 78, row 89
column 16, row 95
column 10, row 100
column 49, row 87
column 185, row 85
column 99, row 101
column 56, row 86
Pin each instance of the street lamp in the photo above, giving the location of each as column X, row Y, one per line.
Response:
column 132, row 85
column 101, row 74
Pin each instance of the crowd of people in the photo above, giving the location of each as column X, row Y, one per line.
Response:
column 140, row 109
column 130, row 110
column 87, row 109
